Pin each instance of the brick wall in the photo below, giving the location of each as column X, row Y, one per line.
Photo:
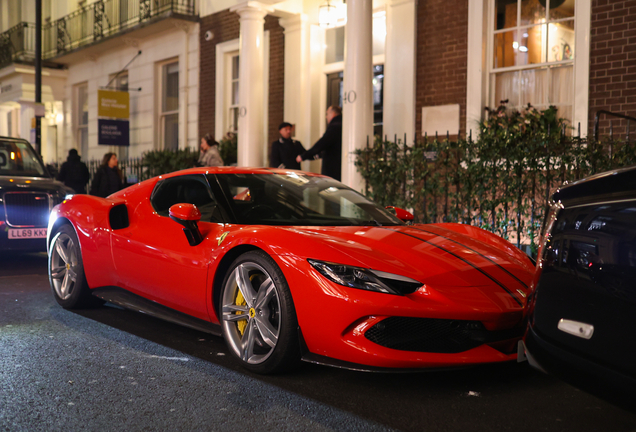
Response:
column 225, row 27
column 613, row 63
column 276, row 78
column 442, row 36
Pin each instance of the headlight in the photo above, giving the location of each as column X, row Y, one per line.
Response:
column 366, row 279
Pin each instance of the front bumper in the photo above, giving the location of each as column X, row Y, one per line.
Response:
column 578, row 371
column 341, row 324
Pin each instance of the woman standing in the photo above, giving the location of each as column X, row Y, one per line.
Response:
column 108, row 178
column 210, row 155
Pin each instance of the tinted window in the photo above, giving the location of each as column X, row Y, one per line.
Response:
column 186, row 189
column 295, row 199
column 17, row 158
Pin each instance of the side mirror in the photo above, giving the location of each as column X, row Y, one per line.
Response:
column 187, row 215
column 401, row 214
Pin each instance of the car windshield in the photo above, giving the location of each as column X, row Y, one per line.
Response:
column 17, row 158
column 297, row 199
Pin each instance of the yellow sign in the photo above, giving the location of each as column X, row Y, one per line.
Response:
column 113, row 104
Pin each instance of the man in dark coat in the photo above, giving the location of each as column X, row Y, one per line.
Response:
column 329, row 147
column 74, row 173
column 285, row 149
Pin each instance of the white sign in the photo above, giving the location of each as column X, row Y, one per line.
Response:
column 440, row 119
column 26, row 233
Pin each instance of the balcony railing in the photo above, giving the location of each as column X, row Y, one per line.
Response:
column 105, row 18
column 17, row 44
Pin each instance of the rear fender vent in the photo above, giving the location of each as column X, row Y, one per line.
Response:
column 118, row 217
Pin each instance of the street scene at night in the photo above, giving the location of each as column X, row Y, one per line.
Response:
column 319, row 215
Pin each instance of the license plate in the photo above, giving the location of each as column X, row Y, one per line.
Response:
column 26, row 233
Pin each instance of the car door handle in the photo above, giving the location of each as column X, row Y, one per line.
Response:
column 576, row 328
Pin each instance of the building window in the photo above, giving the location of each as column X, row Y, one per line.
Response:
column 532, row 54
column 81, row 109
column 233, row 92
column 169, row 115
column 334, row 65
column 335, row 45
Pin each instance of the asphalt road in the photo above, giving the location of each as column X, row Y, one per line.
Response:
column 110, row 369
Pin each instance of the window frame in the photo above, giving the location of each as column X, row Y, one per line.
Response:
column 80, row 127
column 229, row 80
column 161, row 114
column 224, row 51
column 479, row 58
column 217, row 215
column 493, row 71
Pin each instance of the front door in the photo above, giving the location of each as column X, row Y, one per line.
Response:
column 153, row 257
column 334, row 95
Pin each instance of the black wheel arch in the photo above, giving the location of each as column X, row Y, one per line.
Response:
column 55, row 227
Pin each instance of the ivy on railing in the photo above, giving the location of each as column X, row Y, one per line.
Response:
column 499, row 181
column 158, row 162
column 228, row 148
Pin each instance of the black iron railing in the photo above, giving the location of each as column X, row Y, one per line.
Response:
column 17, row 44
column 105, row 18
column 619, row 116
column 133, row 169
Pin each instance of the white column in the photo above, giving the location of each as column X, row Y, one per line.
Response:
column 296, row 80
column 476, row 78
column 357, row 114
column 399, row 69
column 251, row 142
column 582, row 32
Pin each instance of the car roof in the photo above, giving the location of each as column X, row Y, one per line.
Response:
column 237, row 170
column 610, row 184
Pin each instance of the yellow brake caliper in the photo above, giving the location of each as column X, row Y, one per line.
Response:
column 240, row 301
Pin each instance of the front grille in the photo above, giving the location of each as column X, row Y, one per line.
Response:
column 434, row 335
column 26, row 209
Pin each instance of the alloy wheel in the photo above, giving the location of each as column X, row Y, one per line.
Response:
column 63, row 266
column 251, row 313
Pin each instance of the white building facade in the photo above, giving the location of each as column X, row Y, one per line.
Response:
column 398, row 68
column 362, row 59
column 148, row 48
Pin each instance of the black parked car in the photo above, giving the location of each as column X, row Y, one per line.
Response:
column 27, row 194
column 582, row 314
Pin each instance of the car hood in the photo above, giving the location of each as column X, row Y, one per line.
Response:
column 40, row 184
column 440, row 258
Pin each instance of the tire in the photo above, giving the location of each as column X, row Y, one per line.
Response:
column 258, row 316
column 66, row 271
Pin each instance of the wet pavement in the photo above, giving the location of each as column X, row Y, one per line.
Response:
column 112, row 369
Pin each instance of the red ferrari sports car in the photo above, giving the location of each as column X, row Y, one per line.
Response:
column 288, row 265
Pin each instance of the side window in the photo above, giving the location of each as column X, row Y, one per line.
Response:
column 186, row 189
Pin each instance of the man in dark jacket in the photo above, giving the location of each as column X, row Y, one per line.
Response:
column 285, row 149
column 74, row 173
column 329, row 147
